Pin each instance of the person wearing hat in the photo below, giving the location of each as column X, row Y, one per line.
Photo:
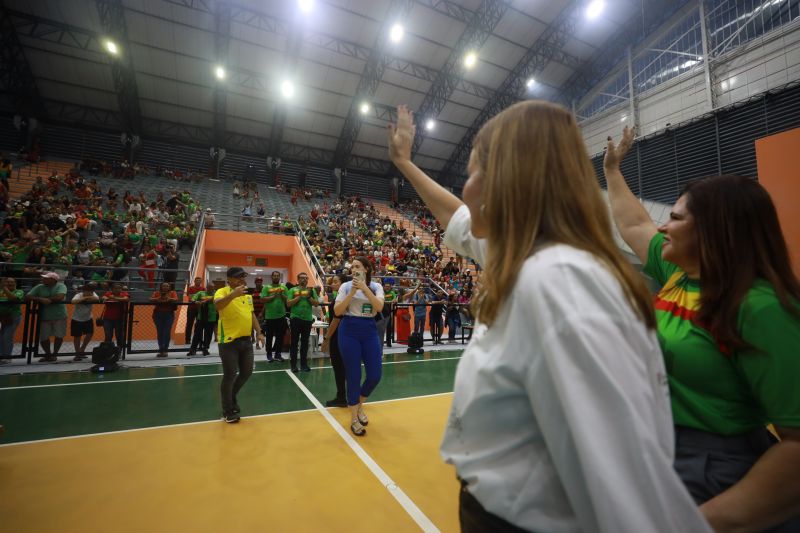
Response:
column 235, row 324
column 50, row 294
column 208, row 218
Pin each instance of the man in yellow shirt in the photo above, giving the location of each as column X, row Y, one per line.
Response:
column 234, row 328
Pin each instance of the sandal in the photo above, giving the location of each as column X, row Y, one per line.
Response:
column 48, row 359
column 362, row 416
column 357, row 429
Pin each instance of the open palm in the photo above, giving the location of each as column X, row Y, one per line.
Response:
column 616, row 153
column 401, row 135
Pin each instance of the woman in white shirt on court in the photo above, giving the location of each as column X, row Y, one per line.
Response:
column 357, row 302
column 560, row 418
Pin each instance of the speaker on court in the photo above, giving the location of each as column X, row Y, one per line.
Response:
column 105, row 358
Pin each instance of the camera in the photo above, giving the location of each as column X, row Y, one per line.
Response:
column 360, row 276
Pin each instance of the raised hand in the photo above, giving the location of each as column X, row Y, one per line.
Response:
column 616, row 153
column 401, row 135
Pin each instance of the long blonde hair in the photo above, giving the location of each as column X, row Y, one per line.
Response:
column 539, row 187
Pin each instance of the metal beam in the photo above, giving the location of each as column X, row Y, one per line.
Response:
column 222, row 22
column 614, row 50
column 16, row 76
column 112, row 18
column 535, row 59
column 371, row 77
column 480, row 26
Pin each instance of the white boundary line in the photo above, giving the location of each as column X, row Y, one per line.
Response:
column 215, row 420
column 21, row 387
column 205, row 421
column 410, row 507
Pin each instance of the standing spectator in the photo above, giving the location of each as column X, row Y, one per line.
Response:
column 235, row 325
column 453, row 317
column 206, row 322
column 10, row 317
column 403, row 316
column 301, row 299
column 258, row 303
column 165, row 300
column 113, row 317
column 386, row 324
column 420, row 301
column 50, row 294
column 170, row 265
column 191, row 311
column 82, row 324
column 435, row 317
column 274, row 298
column 331, row 346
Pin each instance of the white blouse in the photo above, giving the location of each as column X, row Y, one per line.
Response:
column 360, row 305
column 561, row 419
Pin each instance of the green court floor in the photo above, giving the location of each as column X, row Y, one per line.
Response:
column 65, row 404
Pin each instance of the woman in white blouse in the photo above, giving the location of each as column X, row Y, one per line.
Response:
column 560, row 418
column 357, row 302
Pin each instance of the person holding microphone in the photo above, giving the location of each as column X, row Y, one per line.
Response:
column 357, row 302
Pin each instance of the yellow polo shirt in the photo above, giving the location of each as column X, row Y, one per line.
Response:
column 236, row 319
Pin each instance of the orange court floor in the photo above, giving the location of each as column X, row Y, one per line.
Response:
column 145, row 450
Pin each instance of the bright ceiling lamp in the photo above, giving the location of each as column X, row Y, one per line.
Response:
column 364, row 108
column 530, row 84
column 430, row 124
column 111, row 46
column 305, row 5
column 219, row 72
column 470, row 59
column 287, row 89
column 595, row 8
column 396, row 33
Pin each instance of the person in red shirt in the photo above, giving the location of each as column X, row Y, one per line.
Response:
column 191, row 312
column 164, row 315
column 147, row 260
column 113, row 316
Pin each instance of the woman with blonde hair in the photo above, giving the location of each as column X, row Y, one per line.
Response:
column 560, row 418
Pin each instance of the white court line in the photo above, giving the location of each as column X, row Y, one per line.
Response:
column 198, row 375
column 402, row 498
column 215, row 420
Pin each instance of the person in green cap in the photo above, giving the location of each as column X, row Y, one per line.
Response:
column 301, row 299
column 274, row 298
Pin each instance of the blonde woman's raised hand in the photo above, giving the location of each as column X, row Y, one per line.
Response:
column 401, row 135
column 616, row 153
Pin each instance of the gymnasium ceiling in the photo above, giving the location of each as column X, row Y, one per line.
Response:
column 162, row 81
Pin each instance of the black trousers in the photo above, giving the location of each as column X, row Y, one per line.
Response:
column 275, row 328
column 237, row 366
column 191, row 315
column 301, row 330
column 338, row 367
column 475, row 519
column 203, row 333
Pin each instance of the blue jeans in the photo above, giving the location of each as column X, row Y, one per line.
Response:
column 163, row 321
column 453, row 323
column 358, row 341
column 7, row 337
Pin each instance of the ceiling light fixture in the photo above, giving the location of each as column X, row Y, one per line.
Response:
column 305, row 5
column 530, row 83
column 287, row 89
column 111, row 46
column 470, row 60
column 430, row 124
column 595, row 8
column 219, row 72
column 364, row 108
column 396, row 33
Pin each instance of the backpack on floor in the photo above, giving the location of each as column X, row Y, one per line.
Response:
column 415, row 343
column 105, row 357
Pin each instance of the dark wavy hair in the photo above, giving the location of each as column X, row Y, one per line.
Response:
column 740, row 239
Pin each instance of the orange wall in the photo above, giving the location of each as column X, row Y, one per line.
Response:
column 779, row 172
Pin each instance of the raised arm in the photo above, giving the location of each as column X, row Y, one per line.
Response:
column 439, row 200
column 631, row 218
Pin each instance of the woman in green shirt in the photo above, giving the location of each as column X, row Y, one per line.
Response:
column 732, row 348
column 10, row 317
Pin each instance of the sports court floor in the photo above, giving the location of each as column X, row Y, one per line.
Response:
column 144, row 449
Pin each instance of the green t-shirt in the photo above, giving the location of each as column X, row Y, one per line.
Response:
column 13, row 308
column 302, row 309
column 276, row 308
column 734, row 393
column 53, row 311
column 206, row 312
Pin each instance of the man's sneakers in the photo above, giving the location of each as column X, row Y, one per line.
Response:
column 306, row 368
column 336, row 402
column 279, row 359
column 231, row 417
column 357, row 429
